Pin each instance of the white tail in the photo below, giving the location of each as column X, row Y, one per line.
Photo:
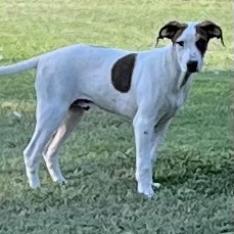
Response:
column 19, row 67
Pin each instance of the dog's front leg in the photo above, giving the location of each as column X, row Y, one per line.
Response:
column 144, row 138
column 159, row 134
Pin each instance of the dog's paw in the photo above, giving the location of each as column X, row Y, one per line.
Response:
column 33, row 179
column 147, row 191
column 156, row 185
column 61, row 181
column 34, row 182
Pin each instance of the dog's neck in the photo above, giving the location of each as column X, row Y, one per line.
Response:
column 181, row 79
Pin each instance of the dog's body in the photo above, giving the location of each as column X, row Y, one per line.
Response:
column 146, row 87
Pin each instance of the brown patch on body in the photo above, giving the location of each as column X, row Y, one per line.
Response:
column 121, row 73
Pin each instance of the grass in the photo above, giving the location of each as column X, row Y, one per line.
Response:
column 195, row 165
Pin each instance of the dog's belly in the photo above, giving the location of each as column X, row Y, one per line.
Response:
column 121, row 104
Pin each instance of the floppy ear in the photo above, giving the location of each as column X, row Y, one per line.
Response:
column 212, row 30
column 170, row 30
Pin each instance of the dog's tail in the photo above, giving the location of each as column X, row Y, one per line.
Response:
column 20, row 66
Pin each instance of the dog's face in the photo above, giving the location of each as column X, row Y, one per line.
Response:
column 190, row 42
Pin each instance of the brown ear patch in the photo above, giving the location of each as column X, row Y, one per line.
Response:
column 171, row 30
column 211, row 30
column 121, row 73
column 178, row 33
column 205, row 31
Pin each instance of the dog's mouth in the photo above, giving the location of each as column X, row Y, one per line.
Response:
column 192, row 66
column 192, row 70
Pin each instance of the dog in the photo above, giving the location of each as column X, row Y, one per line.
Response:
column 147, row 87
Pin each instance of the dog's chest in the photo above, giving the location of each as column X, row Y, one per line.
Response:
column 172, row 103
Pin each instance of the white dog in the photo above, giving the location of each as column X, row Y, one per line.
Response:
column 147, row 87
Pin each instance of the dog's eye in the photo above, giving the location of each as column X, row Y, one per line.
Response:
column 181, row 43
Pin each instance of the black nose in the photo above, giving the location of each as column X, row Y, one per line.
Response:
column 192, row 66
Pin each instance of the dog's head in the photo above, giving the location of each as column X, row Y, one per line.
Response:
column 190, row 41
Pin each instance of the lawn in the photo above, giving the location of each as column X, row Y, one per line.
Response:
column 195, row 166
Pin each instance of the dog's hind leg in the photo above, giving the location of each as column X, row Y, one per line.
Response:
column 50, row 153
column 49, row 117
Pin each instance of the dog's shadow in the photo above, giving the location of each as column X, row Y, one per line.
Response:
column 217, row 180
column 204, row 177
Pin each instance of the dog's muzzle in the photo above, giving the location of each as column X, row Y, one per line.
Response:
column 192, row 66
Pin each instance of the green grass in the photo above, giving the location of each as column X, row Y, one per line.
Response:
column 195, row 165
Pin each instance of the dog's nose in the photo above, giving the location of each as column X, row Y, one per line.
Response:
column 192, row 66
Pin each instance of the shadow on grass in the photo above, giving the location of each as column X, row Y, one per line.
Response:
column 205, row 175
column 200, row 177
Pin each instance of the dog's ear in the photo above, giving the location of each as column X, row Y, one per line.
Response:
column 171, row 30
column 212, row 30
